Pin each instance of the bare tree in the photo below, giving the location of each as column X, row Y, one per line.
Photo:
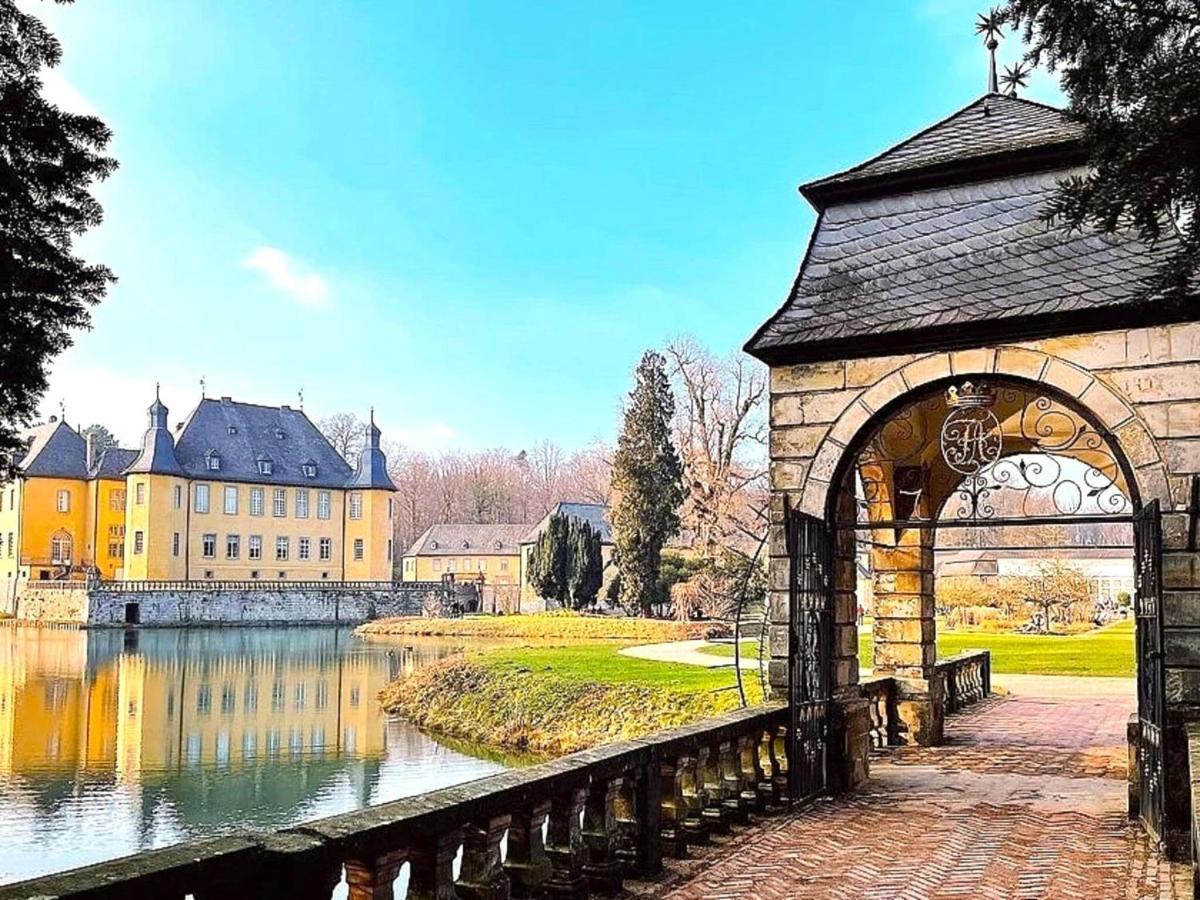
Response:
column 545, row 471
column 721, row 432
column 345, row 431
column 589, row 475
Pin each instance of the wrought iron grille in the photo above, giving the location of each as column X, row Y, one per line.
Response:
column 1151, row 676
column 810, row 650
column 978, row 453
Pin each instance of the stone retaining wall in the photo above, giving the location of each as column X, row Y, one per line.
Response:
column 92, row 607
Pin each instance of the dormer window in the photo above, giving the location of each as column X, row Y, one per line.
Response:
column 466, row 545
column 433, row 545
column 279, row 433
column 499, row 544
column 310, row 470
column 212, row 461
column 265, row 467
column 232, row 429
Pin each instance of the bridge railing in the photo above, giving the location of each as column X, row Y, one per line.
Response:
column 107, row 586
column 1193, row 739
column 605, row 814
column 968, row 678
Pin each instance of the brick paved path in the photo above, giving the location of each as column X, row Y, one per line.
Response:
column 1027, row 799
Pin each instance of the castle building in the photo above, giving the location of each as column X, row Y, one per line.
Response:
column 238, row 492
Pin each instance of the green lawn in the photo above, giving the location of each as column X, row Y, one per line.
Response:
column 602, row 663
column 1107, row 651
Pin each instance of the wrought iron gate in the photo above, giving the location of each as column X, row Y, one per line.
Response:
column 1151, row 678
column 810, row 651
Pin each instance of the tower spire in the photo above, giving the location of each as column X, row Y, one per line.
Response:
column 989, row 25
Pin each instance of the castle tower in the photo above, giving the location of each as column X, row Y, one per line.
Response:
column 370, row 507
column 156, row 506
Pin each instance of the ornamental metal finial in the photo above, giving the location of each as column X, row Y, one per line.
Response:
column 1014, row 77
column 300, row 394
column 989, row 25
column 203, row 385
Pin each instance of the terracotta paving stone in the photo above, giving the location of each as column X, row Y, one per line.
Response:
column 1026, row 800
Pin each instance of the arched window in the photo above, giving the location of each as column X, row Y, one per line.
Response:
column 60, row 549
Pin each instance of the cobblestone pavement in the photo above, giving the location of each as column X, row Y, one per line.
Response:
column 1027, row 799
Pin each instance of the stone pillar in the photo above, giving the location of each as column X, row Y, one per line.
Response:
column 482, row 876
column 528, row 865
column 371, row 878
column 431, row 867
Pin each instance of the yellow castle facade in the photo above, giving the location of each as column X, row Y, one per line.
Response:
column 236, row 492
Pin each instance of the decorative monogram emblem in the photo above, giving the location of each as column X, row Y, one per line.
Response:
column 971, row 439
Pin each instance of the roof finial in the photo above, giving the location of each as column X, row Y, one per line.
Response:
column 1015, row 77
column 156, row 397
column 989, row 25
column 300, row 394
column 203, row 385
column 62, row 410
column 372, row 415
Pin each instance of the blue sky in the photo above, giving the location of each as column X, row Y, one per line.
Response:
column 473, row 216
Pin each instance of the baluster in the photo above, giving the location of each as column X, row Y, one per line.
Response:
column 482, row 876
column 715, row 816
column 777, row 752
column 431, row 867
column 674, row 809
column 695, row 828
column 371, row 877
column 565, row 846
column 731, row 782
column 751, row 770
column 601, row 867
column 625, row 817
column 528, row 865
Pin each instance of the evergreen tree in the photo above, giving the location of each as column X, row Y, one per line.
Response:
column 104, row 437
column 587, row 564
column 647, row 483
column 549, row 563
column 49, row 160
column 1131, row 71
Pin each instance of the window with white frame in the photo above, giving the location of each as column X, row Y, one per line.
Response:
column 279, row 503
column 504, row 565
column 256, row 501
column 60, row 549
column 265, row 467
column 202, row 498
column 213, row 460
column 176, row 541
column 358, row 548
column 303, row 548
column 208, row 546
column 325, row 548
column 301, row 503
column 233, row 546
column 231, row 500
column 178, row 496
column 139, row 493
column 116, row 500
column 389, row 549
column 324, row 503
column 452, row 565
column 139, row 543
column 281, row 548
column 482, row 565
column 391, row 512
column 64, row 501
column 356, row 505
column 310, row 470
column 254, row 547
column 437, row 565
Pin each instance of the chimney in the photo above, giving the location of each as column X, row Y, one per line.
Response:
column 91, row 450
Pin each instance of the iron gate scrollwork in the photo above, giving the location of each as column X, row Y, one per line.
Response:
column 810, row 650
column 1151, row 677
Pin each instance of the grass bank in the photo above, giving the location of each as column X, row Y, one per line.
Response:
column 539, row 626
column 1105, row 651
column 556, row 700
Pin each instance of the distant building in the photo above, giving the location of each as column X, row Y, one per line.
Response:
column 1109, row 570
column 238, row 492
column 490, row 554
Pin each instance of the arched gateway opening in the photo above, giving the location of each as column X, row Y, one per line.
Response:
column 1009, row 461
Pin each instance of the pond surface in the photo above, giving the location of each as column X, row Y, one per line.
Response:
column 113, row 742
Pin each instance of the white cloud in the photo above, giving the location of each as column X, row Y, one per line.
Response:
column 306, row 288
column 65, row 95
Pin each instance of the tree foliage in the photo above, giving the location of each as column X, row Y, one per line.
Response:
column 346, row 432
column 1131, row 70
column 647, row 483
column 587, row 564
column 550, row 561
column 104, row 437
column 49, row 161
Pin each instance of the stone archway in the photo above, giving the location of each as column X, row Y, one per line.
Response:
column 956, row 452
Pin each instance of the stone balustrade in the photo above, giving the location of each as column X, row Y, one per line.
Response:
column 575, row 827
column 1193, row 743
column 967, row 677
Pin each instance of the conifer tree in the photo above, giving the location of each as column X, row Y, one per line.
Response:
column 49, row 161
column 587, row 564
column 647, row 483
column 549, row 563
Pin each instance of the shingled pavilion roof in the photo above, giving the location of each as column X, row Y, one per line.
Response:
column 940, row 242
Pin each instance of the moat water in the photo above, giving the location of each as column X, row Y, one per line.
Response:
column 113, row 741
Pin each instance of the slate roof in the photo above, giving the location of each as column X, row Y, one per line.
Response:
column 595, row 514
column 113, row 462
column 371, row 472
column 993, row 124
column 56, row 451
column 899, row 269
column 479, row 540
column 284, row 435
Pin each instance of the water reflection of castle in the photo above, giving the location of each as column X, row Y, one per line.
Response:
column 140, row 704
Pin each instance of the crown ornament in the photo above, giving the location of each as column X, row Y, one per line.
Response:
column 971, row 396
